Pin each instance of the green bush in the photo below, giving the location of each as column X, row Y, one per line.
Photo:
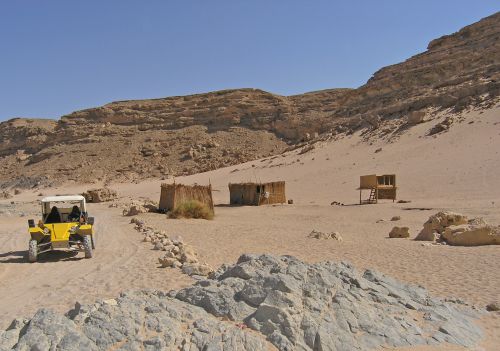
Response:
column 192, row 209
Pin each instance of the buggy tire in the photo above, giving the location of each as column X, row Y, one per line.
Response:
column 94, row 241
column 87, row 246
column 33, row 251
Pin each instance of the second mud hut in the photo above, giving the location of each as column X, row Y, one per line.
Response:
column 172, row 195
column 256, row 194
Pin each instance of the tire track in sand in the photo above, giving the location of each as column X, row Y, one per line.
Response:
column 121, row 262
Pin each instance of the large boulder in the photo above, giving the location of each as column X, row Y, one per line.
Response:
column 399, row 232
column 436, row 224
column 134, row 209
column 202, row 269
column 415, row 117
column 493, row 306
column 472, row 235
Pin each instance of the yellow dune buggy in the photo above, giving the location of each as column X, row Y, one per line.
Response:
column 65, row 224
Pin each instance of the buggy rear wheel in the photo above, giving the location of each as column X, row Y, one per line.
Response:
column 87, row 246
column 33, row 251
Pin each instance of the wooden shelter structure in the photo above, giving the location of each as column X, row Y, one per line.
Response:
column 380, row 186
column 256, row 194
column 172, row 195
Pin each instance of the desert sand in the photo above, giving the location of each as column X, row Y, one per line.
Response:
column 456, row 170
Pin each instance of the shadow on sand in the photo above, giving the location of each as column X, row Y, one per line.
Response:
column 227, row 205
column 51, row 256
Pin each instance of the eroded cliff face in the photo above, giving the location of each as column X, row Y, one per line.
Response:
column 251, row 108
column 248, row 108
column 131, row 140
column 456, row 71
column 24, row 133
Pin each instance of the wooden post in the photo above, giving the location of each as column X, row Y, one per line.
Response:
column 211, row 199
column 173, row 198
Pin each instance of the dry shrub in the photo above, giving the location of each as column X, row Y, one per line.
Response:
column 192, row 209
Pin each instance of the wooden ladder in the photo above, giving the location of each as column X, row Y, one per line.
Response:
column 373, row 196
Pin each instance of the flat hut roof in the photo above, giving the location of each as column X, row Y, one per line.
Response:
column 374, row 181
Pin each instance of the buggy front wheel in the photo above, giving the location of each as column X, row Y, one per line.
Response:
column 87, row 246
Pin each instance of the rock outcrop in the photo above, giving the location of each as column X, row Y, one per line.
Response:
column 455, row 229
column 259, row 303
column 399, row 232
column 437, row 223
column 415, row 117
column 472, row 235
column 136, row 320
column 100, row 195
column 134, row 208
column 493, row 306
column 321, row 235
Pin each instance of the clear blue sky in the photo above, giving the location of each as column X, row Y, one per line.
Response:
column 60, row 56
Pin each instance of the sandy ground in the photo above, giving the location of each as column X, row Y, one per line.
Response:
column 456, row 171
column 61, row 278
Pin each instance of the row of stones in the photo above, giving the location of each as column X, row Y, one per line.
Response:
column 178, row 254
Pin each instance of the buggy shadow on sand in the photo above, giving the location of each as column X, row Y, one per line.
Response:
column 47, row 257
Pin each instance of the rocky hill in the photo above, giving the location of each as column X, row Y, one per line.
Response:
column 132, row 140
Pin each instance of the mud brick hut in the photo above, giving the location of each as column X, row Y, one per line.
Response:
column 256, row 194
column 380, row 187
column 172, row 195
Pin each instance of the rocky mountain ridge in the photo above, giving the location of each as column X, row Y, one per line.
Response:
column 137, row 139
